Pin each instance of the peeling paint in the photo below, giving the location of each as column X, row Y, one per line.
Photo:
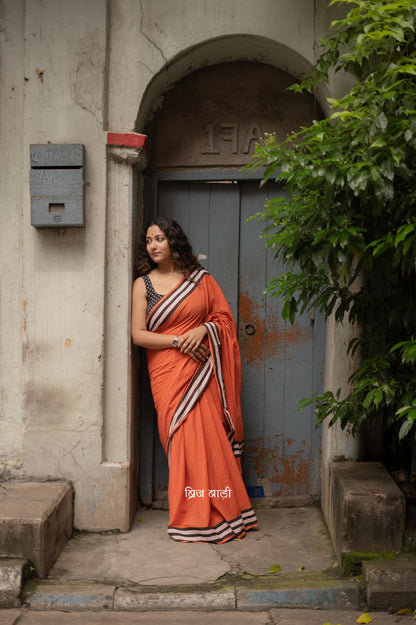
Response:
column 279, row 463
column 285, row 469
column 272, row 336
column 40, row 74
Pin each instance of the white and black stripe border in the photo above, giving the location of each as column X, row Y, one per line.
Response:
column 163, row 309
column 223, row 531
column 191, row 396
column 216, row 354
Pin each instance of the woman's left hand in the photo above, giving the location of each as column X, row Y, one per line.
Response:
column 191, row 343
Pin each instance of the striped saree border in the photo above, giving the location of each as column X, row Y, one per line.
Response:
column 191, row 396
column 237, row 446
column 224, row 531
column 163, row 309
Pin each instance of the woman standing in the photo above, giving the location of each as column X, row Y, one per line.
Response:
column 180, row 315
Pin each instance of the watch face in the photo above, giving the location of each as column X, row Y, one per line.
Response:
column 175, row 342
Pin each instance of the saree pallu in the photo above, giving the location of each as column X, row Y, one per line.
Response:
column 199, row 415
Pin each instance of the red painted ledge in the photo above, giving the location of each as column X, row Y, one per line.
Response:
column 127, row 139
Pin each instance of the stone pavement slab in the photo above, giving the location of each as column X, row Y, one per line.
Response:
column 334, row 617
column 292, row 538
column 9, row 617
column 144, row 618
column 272, row 617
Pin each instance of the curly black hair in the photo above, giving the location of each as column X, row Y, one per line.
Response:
column 181, row 250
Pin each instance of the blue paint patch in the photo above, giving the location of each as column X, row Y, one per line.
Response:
column 323, row 598
column 255, row 491
column 71, row 600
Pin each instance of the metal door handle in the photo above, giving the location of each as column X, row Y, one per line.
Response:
column 249, row 329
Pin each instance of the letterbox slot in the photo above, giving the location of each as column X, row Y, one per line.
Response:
column 57, row 209
column 55, row 167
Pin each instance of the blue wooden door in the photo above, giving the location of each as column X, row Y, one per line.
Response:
column 280, row 363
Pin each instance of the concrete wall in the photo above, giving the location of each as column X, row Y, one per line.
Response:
column 11, row 209
column 69, row 72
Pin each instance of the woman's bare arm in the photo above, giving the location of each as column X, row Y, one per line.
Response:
column 140, row 335
column 189, row 343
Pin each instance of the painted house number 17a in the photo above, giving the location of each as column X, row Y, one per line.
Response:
column 220, row 137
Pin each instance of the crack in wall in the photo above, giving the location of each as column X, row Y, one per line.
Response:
column 147, row 37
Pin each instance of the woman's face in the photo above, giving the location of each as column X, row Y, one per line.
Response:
column 157, row 245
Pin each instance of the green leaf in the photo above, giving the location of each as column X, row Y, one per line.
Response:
column 405, row 428
column 380, row 142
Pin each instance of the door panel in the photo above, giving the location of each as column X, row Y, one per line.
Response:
column 277, row 367
column 209, row 214
column 280, row 363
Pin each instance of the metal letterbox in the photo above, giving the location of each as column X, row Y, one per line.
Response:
column 57, row 185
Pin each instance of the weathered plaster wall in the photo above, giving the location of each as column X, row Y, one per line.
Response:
column 64, row 270
column 11, row 208
column 54, row 89
column 69, row 72
column 170, row 39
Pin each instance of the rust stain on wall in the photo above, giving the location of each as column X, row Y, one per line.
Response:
column 271, row 337
column 252, row 347
column 295, row 474
column 286, row 469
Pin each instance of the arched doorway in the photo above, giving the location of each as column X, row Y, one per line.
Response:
column 199, row 139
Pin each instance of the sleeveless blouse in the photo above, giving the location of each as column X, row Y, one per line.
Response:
column 152, row 296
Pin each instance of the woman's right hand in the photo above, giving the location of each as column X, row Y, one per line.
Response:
column 201, row 353
column 190, row 343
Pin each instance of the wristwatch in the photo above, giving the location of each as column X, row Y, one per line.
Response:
column 175, row 342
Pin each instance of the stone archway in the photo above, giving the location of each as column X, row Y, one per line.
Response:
column 206, row 130
column 214, row 116
column 224, row 49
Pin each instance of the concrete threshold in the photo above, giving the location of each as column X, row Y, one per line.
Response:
column 144, row 570
column 315, row 591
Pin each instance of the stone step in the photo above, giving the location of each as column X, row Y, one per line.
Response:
column 368, row 509
column 317, row 591
column 36, row 520
column 11, row 578
column 391, row 583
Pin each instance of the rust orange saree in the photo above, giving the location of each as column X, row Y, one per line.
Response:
column 199, row 415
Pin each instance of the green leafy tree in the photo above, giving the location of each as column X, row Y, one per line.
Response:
column 347, row 226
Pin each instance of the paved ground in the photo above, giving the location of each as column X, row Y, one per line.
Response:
column 291, row 538
column 272, row 617
column 128, row 579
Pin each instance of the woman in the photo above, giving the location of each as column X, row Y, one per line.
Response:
column 180, row 315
